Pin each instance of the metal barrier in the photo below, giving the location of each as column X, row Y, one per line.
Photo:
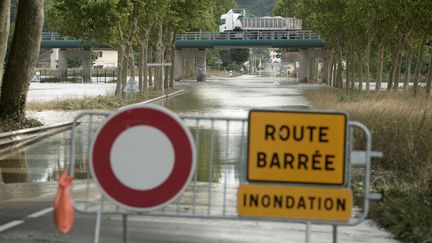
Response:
column 221, row 145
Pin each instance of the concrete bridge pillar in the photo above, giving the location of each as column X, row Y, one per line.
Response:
column 310, row 62
column 178, row 65
column 304, row 72
column 201, row 69
column 313, row 69
column 200, row 56
column 62, row 64
column 325, row 75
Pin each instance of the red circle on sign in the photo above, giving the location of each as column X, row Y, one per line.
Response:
column 184, row 157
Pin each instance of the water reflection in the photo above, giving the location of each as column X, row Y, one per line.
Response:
column 221, row 147
column 37, row 163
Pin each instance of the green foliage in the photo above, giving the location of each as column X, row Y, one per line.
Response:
column 87, row 19
column 234, row 58
column 213, row 56
column 74, row 62
column 407, row 214
column 239, row 56
column 257, row 7
column 284, row 8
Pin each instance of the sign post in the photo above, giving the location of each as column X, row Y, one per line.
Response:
column 143, row 157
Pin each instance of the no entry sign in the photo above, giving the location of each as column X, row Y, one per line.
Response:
column 143, row 157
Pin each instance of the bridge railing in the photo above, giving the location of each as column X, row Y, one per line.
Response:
column 250, row 35
column 237, row 35
column 54, row 36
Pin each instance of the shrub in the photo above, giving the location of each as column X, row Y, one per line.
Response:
column 401, row 127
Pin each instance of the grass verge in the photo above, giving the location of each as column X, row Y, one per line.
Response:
column 401, row 127
column 89, row 103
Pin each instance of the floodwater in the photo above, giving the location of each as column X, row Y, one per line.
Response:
column 219, row 97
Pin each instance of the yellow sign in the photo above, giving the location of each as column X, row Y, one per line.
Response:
column 308, row 203
column 297, row 147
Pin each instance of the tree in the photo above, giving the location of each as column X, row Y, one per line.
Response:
column 234, row 56
column 4, row 32
column 70, row 18
column 22, row 59
column 284, row 8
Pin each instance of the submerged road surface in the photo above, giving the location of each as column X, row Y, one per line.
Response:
column 26, row 212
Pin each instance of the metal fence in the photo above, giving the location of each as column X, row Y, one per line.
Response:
column 221, row 145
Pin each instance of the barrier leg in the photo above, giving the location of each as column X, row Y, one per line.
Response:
column 308, row 232
column 334, row 233
column 97, row 228
column 124, row 228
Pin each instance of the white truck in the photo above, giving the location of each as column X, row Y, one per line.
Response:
column 236, row 20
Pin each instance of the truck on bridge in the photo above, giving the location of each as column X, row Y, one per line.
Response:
column 237, row 20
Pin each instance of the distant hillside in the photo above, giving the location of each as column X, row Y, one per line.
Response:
column 257, row 7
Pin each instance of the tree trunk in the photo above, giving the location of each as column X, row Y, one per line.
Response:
column 418, row 65
column 380, row 63
column 143, row 66
column 150, row 69
column 353, row 71
column 392, row 70
column 166, row 50
column 397, row 70
column 22, row 59
column 173, row 57
column 140, row 69
column 361, row 70
column 339, row 78
column 120, row 60
column 395, row 67
column 330, row 78
column 353, row 68
column 132, row 61
column 4, row 32
column 367, row 64
column 159, row 58
column 335, row 65
column 429, row 79
column 348, row 71
column 125, row 67
column 407, row 75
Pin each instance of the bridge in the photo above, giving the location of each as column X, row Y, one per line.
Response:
column 265, row 39
column 194, row 45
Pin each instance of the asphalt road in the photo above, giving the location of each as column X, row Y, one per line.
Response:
column 31, row 220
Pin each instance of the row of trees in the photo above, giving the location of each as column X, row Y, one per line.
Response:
column 131, row 26
column 366, row 32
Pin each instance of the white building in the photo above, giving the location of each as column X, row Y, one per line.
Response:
column 105, row 58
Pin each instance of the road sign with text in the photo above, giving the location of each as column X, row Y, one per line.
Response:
column 297, row 147
column 306, row 203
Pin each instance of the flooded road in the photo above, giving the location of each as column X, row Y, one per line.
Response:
column 32, row 173
column 227, row 97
